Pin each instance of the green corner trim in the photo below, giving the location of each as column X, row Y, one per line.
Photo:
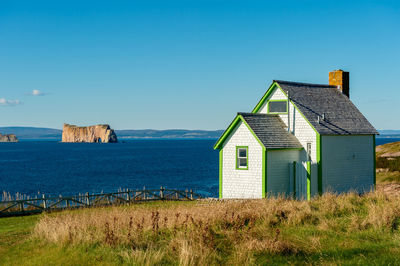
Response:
column 252, row 132
column 220, row 173
column 227, row 132
column 374, row 148
column 298, row 110
column 231, row 127
column 247, row 157
column 264, row 171
column 265, row 96
column 308, row 180
column 278, row 113
column 269, row 92
column 319, row 162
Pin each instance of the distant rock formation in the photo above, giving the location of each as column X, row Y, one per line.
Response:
column 98, row 133
column 8, row 138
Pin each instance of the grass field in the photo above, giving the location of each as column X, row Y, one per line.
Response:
column 329, row 230
column 346, row 229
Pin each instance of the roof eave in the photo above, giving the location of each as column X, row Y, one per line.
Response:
column 265, row 96
column 231, row 127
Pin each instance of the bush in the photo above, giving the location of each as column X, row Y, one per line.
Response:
column 393, row 164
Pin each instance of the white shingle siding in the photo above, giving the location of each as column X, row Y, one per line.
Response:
column 278, row 171
column 298, row 124
column 242, row 183
column 347, row 163
column 303, row 132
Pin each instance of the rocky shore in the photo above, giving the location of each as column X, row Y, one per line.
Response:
column 8, row 138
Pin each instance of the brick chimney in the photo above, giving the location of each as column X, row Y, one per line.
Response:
column 340, row 79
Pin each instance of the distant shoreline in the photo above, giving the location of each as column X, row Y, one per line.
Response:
column 120, row 139
column 49, row 134
column 55, row 134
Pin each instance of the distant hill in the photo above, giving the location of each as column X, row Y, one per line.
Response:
column 169, row 133
column 32, row 132
column 389, row 132
column 55, row 134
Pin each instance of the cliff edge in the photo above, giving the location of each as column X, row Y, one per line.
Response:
column 98, row 133
column 8, row 138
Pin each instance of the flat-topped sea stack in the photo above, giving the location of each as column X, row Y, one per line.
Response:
column 97, row 133
column 8, row 138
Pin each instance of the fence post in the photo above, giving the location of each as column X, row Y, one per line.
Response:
column 144, row 193
column 87, row 199
column 161, row 192
column 21, row 206
column 128, row 195
column 186, row 192
column 191, row 194
column 44, row 202
column 60, row 199
column 177, row 195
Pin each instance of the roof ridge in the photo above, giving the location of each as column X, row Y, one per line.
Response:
column 313, row 102
column 257, row 114
column 305, row 84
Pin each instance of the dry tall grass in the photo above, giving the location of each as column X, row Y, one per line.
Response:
column 208, row 232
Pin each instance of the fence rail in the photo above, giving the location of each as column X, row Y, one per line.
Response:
column 41, row 204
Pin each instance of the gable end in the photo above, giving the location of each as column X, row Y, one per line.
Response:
column 230, row 129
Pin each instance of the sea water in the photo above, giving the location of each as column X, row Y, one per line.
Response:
column 54, row 168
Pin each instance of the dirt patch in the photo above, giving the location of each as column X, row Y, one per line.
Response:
column 391, row 154
column 389, row 189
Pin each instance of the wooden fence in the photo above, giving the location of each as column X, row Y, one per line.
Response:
column 41, row 204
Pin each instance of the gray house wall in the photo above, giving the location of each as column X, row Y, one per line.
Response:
column 278, row 170
column 347, row 163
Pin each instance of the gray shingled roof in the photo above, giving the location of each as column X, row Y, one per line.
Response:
column 341, row 115
column 271, row 131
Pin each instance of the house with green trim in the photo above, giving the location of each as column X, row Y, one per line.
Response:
column 300, row 140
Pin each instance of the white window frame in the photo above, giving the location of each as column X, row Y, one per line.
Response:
column 309, row 149
column 238, row 157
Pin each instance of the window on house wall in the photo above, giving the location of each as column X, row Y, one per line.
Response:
column 242, row 157
column 309, row 151
column 277, row 106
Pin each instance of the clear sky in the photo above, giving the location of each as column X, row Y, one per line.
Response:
column 188, row 64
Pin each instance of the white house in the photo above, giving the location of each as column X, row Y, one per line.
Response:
column 300, row 140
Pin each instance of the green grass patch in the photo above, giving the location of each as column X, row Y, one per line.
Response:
column 330, row 230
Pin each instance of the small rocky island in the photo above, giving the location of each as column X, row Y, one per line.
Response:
column 8, row 138
column 97, row 133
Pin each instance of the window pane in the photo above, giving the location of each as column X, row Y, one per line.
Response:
column 277, row 107
column 242, row 153
column 309, row 151
column 242, row 162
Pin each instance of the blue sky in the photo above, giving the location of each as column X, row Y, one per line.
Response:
column 188, row 64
